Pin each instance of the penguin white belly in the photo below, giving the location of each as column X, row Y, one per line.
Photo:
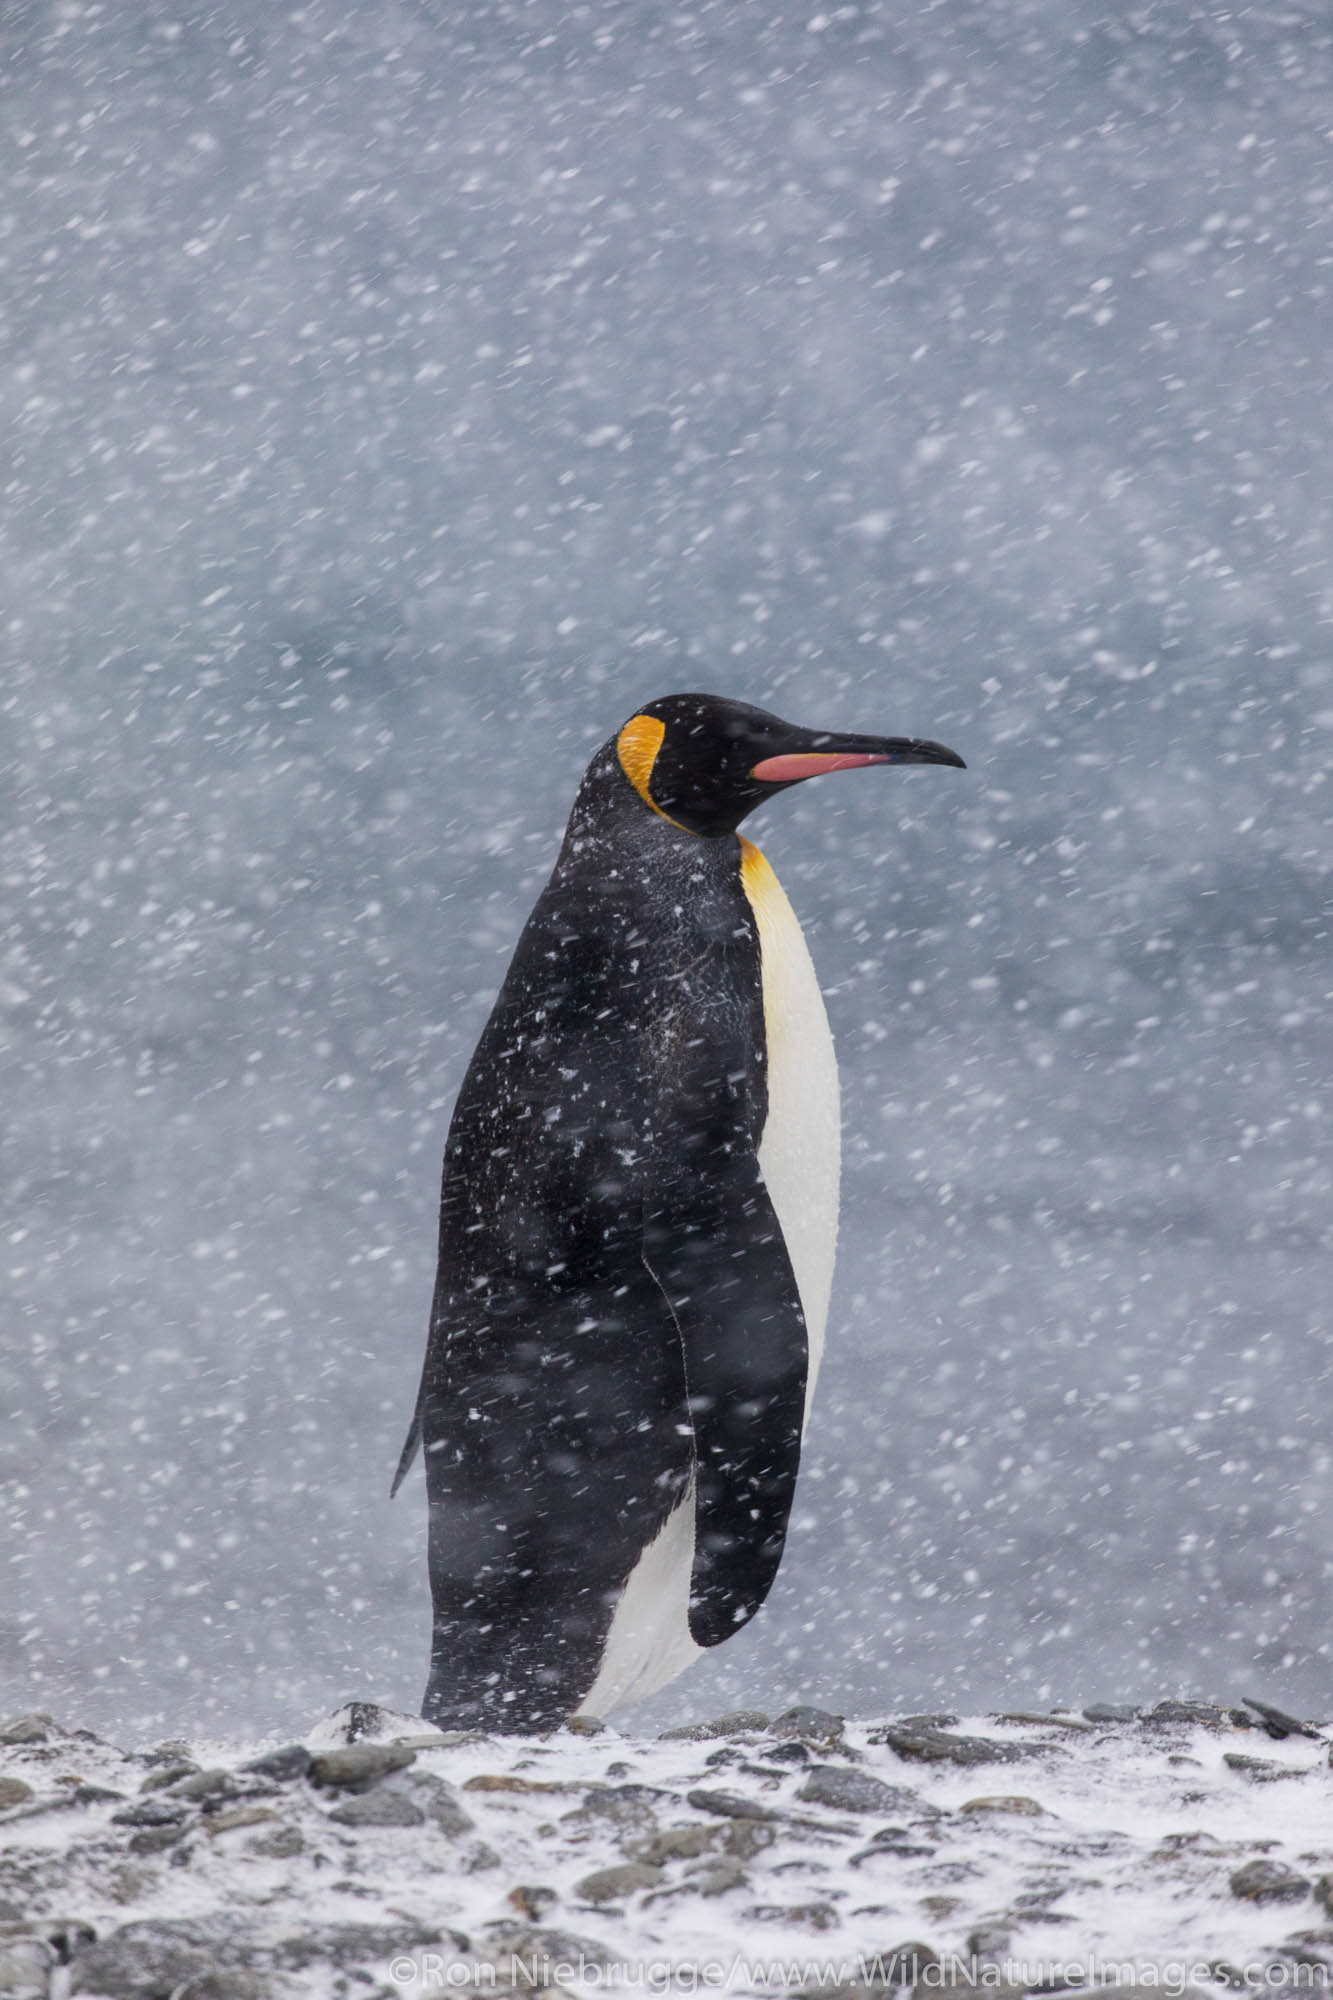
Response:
column 649, row 1641
column 800, row 1152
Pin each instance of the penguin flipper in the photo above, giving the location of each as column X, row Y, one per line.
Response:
column 717, row 1252
column 410, row 1449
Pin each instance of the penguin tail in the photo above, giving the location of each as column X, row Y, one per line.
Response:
column 409, row 1452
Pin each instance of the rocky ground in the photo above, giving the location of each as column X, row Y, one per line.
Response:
column 1189, row 1847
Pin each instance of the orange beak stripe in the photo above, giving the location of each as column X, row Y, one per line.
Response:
column 783, row 770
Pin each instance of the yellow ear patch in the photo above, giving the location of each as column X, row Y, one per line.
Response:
column 637, row 746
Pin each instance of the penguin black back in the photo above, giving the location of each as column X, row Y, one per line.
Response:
column 615, row 1380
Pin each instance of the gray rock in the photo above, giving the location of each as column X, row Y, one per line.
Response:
column 906, row 1965
column 279, row 1845
column 167, row 1774
column 801, row 1916
column 729, row 1805
column 29, row 1729
column 26, row 1966
column 152, row 1812
column 1313, row 1949
column 92, row 1795
column 1206, row 1712
column 989, row 1942
column 540, row 1946
column 203, row 1787
column 936, row 1746
column 13, row 1792
column 1277, row 1723
column 282, row 1766
column 359, row 1766
column 745, row 1838
column 1323, row 1893
column 675, row 1843
column 156, row 1839
column 381, row 1807
column 854, row 1791
column 1259, row 1770
column 738, row 1722
column 478, row 1856
column 716, row 1878
column 810, row 1725
column 174, row 1751
column 612, row 1885
column 1110, row 1711
column 895, row 1840
column 158, row 1961
column 1270, row 1882
column 354, row 1946
column 532, row 1900
column 1033, row 1718
column 628, row 1807
column 438, row 1800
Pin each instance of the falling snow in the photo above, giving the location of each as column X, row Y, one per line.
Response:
column 397, row 396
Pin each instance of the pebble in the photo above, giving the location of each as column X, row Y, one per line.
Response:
column 158, row 1780
column 747, row 1837
column 381, row 1807
column 1270, row 1882
column 612, row 1885
column 675, row 1843
column 26, row 1966
column 730, row 1805
column 20, row 1729
column 530, row 1899
column 1260, row 1770
column 505, row 1781
column 228, row 1822
column 13, row 1792
column 359, row 1766
column 628, row 1807
column 1110, row 1711
column 439, row 1802
column 202, row 1787
column 1313, row 1949
column 1277, row 1723
column 854, row 1791
column 1208, row 1713
column 156, row 1839
column 353, row 1946
column 1030, row 1718
column 1323, row 1893
column 810, row 1725
column 802, row 1916
column 283, row 1766
column 937, row 1746
column 1006, row 1802
column 711, row 1878
column 151, row 1812
column 738, row 1722
column 154, row 1958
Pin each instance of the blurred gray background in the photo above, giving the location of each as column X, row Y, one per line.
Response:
column 396, row 395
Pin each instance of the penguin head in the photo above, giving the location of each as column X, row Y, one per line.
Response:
column 703, row 762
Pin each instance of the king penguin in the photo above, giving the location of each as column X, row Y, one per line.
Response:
column 637, row 1231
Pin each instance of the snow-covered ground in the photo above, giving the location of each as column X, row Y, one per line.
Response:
column 1016, row 1853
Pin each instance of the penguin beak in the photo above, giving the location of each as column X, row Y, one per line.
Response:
column 856, row 751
